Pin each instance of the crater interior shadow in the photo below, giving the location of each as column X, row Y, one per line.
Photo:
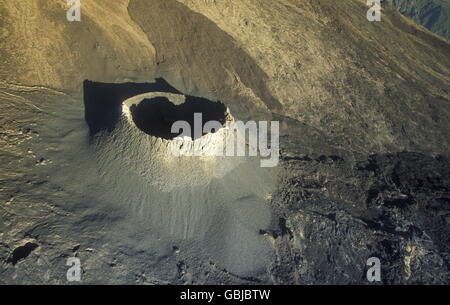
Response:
column 156, row 116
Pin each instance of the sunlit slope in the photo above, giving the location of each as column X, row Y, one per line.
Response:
column 40, row 47
column 336, row 81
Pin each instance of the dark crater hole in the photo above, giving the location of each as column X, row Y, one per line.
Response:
column 156, row 116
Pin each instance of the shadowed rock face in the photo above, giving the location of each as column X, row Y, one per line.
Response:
column 432, row 14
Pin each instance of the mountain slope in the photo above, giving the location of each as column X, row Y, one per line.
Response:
column 315, row 64
column 432, row 14
column 325, row 65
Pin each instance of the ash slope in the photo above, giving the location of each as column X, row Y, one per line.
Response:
column 343, row 88
column 123, row 204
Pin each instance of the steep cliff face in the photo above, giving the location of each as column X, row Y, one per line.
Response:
column 432, row 14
